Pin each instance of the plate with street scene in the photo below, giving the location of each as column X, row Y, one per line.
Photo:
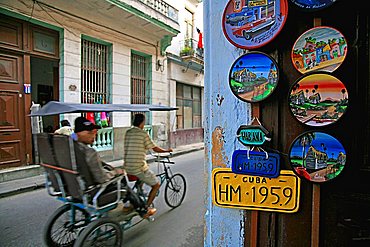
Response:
column 313, row 5
column 319, row 49
column 251, row 24
column 253, row 76
column 317, row 156
column 318, row 99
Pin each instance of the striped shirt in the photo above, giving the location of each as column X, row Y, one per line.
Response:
column 137, row 142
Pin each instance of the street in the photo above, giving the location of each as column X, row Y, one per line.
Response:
column 23, row 216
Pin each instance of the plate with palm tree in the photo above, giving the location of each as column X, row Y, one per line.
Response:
column 318, row 99
column 317, row 156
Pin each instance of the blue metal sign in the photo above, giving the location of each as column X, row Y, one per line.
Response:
column 256, row 163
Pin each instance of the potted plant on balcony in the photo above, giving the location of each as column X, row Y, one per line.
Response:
column 187, row 51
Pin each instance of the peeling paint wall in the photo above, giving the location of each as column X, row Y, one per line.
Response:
column 224, row 113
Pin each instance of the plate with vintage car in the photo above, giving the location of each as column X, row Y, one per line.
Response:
column 251, row 24
column 317, row 156
column 253, row 76
column 319, row 49
column 318, row 99
column 313, row 5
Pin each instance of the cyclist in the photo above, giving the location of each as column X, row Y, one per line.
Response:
column 137, row 143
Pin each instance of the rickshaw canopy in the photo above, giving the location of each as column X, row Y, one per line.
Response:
column 57, row 107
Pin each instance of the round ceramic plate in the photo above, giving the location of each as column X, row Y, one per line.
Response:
column 313, row 5
column 252, row 24
column 318, row 99
column 319, row 49
column 317, row 156
column 253, row 76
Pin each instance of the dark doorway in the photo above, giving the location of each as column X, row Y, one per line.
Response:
column 45, row 87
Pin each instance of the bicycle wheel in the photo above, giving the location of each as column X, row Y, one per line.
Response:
column 175, row 190
column 101, row 232
column 63, row 226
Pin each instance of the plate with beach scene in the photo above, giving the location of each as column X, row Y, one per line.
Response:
column 313, row 5
column 317, row 156
column 319, row 49
column 253, row 76
column 318, row 99
column 251, row 24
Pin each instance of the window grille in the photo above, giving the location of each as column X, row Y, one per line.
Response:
column 94, row 73
column 95, row 89
column 140, row 82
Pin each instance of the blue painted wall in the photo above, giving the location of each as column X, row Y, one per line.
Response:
column 224, row 113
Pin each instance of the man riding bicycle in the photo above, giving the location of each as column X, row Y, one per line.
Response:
column 137, row 143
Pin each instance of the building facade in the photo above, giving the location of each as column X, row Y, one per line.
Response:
column 88, row 52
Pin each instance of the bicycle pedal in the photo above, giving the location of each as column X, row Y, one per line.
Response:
column 151, row 218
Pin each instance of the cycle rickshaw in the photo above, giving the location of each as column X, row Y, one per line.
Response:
column 84, row 219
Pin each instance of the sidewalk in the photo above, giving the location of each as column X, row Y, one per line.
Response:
column 30, row 181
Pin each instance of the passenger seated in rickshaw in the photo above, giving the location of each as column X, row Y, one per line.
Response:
column 100, row 171
column 86, row 133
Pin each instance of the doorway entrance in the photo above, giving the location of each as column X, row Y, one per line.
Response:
column 29, row 72
column 44, row 84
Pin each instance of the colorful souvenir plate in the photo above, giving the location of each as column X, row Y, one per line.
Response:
column 318, row 99
column 313, row 5
column 319, row 49
column 253, row 76
column 317, row 156
column 251, row 24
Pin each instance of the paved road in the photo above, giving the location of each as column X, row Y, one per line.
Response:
column 23, row 216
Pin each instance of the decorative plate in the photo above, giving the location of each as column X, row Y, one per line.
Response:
column 313, row 5
column 253, row 76
column 317, row 156
column 251, row 24
column 319, row 49
column 318, row 99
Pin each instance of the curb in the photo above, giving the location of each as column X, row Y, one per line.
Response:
column 35, row 182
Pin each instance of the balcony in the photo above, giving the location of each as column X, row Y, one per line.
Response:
column 189, row 51
column 151, row 20
column 163, row 8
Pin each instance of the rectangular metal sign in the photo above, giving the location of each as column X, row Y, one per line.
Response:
column 279, row 194
column 256, row 163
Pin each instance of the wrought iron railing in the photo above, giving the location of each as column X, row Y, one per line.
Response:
column 189, row 47
column 163, row 8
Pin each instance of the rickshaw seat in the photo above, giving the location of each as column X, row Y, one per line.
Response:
column 47, row 156
column 60, row 154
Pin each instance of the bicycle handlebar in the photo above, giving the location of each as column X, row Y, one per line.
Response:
column 162, row 155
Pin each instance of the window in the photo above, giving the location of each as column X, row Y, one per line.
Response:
column 95, row 79
column 94, row 73
column 189, row 28
column 140, row 81
column 188, row 100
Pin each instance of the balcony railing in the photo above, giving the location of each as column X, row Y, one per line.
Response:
column 104, row 139
column 149, row 129
column 189, row 49
column 163, row 8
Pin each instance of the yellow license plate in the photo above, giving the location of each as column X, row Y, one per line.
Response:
column 241, row 191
